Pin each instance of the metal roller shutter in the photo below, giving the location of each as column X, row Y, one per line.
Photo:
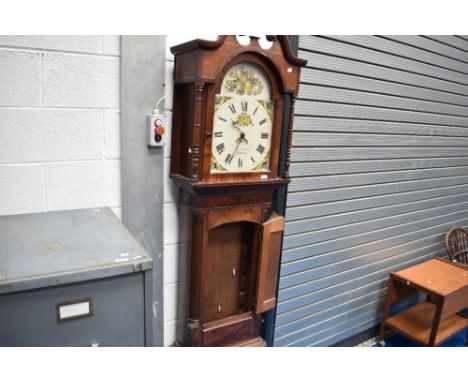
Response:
column 379, row 174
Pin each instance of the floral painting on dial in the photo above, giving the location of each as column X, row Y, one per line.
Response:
column 243, row 81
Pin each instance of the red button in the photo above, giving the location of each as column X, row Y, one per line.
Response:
column 160, row 130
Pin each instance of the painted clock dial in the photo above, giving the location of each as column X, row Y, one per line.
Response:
column 243, row 120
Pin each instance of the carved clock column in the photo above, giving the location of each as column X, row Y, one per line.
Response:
column 227, row 130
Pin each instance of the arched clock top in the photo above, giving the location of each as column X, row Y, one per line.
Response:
column 261, row 76
column 282, row 40
column 246, row 79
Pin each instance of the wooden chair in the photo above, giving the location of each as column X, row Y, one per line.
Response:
column 456, row 243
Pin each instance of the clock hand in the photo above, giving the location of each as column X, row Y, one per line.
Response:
column 235, row 125
column 242, row 134
column 235, row 151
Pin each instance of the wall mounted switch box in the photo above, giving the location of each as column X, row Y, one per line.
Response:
column 73, row 278
column 157, row 129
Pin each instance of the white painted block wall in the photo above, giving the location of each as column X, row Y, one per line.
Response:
column 60, row 140
column 59, row 123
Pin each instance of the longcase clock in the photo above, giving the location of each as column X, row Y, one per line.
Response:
column 228, row 113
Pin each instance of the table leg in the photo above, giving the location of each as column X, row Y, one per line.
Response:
column 436, row 322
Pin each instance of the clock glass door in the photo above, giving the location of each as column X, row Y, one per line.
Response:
column 243, row 120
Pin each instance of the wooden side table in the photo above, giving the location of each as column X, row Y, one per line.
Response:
column 435, row 320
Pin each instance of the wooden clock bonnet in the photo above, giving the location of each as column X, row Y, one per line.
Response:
column 231, row 102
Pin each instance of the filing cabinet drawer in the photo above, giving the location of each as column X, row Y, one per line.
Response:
column 114, row 316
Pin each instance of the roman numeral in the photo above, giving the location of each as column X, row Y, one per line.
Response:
column 255, row 110
column 244, row 105
column 265, row 135
column 232, row 108
column 253, row 160
column 228, row 159
column 239, row 163
column 220, row 148
column 222, row 119
column 262, row 121
column 261, row 149
column 218, row 134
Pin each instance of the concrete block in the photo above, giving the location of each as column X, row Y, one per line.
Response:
column 49, row 135
column 171, row 263
column 170, row 329
column 21, row 189
column 176, row 263
column 82, row 184
column 111, row 45
column 170, row 302
column 171, row 223
column 175, row 331
column 171, row 191
column 175, row 298
column 20, row 78
column 112, row 134
column 81, row 81
column 83, row 44
column 177, row 223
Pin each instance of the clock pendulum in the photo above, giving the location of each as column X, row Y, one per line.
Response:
column 221, row 275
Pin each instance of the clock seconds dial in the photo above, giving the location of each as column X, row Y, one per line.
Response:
column 241, row 136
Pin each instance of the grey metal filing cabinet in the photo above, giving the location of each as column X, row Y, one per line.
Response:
column 73, row 278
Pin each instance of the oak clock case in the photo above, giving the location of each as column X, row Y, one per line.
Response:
column 227, row 129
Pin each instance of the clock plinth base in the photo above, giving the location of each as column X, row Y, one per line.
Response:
column 238, row 330
column 254, row 342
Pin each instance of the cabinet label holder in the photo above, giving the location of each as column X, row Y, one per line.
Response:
column 74, row 309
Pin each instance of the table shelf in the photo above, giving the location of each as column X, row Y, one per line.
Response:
column 416, row 323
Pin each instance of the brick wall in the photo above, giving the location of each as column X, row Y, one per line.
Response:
column 59, row 123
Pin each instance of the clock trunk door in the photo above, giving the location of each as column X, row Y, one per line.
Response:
column 268, row 263
column 230, row 270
